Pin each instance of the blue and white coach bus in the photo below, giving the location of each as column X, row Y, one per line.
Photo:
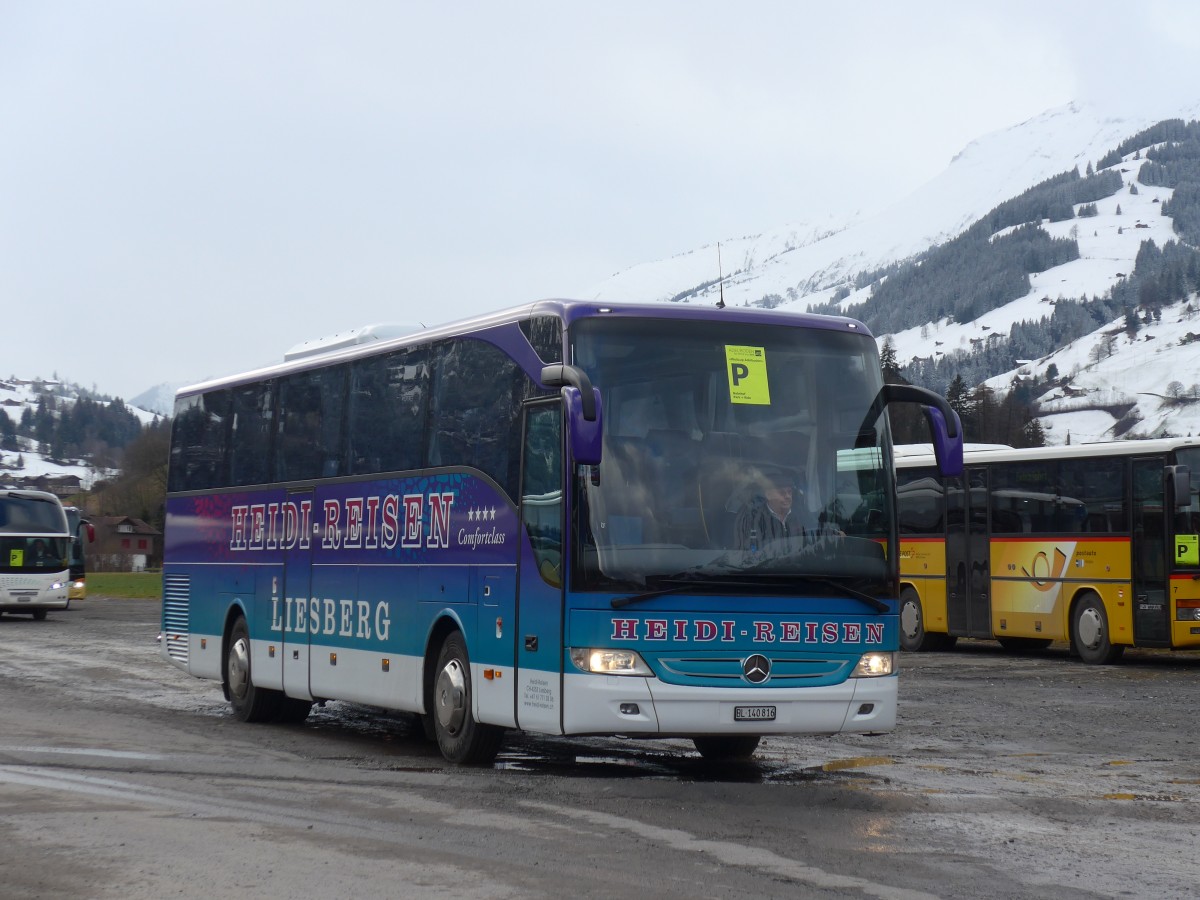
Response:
column 558, row 519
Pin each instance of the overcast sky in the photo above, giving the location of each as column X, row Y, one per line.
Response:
column 189, row 188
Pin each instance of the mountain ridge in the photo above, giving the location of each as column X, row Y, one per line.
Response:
column 989, row 172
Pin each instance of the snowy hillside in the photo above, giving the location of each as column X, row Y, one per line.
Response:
column 22, row 458
column 804, row 264
column 777, row 269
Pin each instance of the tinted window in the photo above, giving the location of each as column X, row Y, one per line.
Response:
column 474, row 411
column 544, row 334
column 919, row 493
column 541, row 495
column 250, row 439
column 199, row 442
column 1092, row 495
column 388, row 399
column 1071, row 496
column 310, row 425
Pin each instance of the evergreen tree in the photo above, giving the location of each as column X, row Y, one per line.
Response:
column 1132, row 323
column 957, row 397
column 887, row 362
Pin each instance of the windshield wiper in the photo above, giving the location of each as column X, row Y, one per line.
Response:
column 618, row 602
column 673, row 584
column 874, row 602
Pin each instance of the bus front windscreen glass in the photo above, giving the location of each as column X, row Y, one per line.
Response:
column 31, row 535
column 1187, row 516
column 734, row 455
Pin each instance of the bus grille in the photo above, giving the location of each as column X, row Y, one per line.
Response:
column 177, row 591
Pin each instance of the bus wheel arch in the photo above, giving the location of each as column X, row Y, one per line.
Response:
column 1091, row 638
column 913, row 636
column 449, row 702
column 250, row 703
column 442, row 628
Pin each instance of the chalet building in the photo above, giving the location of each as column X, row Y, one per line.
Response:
column 59, row 485
column 124, row 544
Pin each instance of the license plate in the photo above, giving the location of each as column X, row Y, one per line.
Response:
column 754, row 714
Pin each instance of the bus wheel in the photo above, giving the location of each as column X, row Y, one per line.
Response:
column 460, row 738
column 1089, row 632
column 39, row 615
column 1023, row 644
column 913, row 635
column 724, row 747
column 250, row 703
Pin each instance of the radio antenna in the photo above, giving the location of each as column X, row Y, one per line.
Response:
column 720, row 279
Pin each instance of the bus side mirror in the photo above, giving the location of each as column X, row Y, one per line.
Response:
column 583, row 411
column 1181, row 485
column 91, row 532
column 585, row 435
column 944, row 424
column 947, row 450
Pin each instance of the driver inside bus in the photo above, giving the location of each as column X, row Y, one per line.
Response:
column 767, row 519
column 39, row 555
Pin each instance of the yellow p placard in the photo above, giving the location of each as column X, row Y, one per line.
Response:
column 16, row 558
column 1187, row 549
column 747, row 371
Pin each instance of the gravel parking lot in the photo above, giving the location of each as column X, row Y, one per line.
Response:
column 1007, row 776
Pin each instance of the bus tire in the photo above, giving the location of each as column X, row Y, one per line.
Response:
column 726, row 747
column 1089, row 632
column 39, row 615
column 913, row 636
column 461, row 739
column 249, row 702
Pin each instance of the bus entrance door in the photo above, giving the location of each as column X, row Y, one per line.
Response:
column 539, row 681
column 297, row 579
column 1151, row 609
column 968, row 564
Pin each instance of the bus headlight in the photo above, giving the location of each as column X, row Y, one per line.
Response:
column 78, row 585
column 1187, row 611
column 875, row 664
column 609, row 662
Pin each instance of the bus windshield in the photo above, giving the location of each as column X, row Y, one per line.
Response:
column 732, row 453
column 1187, row 518
column 31, row 534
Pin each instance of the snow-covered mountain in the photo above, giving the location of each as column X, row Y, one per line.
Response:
column 159, row 399
column 799, row 266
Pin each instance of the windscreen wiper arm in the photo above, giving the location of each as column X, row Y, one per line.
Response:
column 874, row 602
column 619, row 602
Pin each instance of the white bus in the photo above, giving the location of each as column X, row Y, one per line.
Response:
column 35, row 553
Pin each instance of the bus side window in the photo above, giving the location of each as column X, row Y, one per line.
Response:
column 250, row 439
column 389, row 397
column 310, row 425
column 199, row 442
column 541, row 489
column 475, row 410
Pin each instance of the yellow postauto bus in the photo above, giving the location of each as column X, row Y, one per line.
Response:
column 1095, row 544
